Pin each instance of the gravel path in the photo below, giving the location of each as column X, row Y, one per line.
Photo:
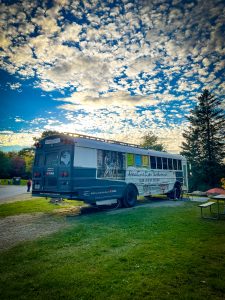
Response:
column 25, row 227
column 12, row 193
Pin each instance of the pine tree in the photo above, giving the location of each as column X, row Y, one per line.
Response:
column 204, row 144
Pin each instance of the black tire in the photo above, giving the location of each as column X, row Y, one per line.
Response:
column 130, row 196
column 177, row 190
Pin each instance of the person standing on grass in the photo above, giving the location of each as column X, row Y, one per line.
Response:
column 28, row 185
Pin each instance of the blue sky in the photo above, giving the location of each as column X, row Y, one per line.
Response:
column 114, row 69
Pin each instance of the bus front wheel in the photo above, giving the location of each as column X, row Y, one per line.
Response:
column 130, row 196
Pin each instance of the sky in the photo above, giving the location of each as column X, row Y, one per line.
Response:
column 115, row 69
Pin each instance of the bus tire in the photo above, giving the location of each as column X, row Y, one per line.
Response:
column 129, row 198
column 177, row 190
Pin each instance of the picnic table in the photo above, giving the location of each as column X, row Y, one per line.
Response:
column 220, row 199
column 216, row 200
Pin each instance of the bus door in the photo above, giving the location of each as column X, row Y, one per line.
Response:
column 57, row 173
column 50, row 174
column 65, row 169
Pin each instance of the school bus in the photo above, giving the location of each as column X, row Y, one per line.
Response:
column 100, row 172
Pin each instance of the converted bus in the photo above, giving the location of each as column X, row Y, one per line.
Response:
column 100, row 172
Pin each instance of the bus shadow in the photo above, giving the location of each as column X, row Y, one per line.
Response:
column 147, row 201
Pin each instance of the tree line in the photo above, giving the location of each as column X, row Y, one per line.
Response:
column 16, row 164
column 19, row 164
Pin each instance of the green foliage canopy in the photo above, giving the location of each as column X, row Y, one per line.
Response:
column 150, row 141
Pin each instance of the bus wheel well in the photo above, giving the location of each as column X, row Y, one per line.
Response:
column 133, row 186
column 130, row 194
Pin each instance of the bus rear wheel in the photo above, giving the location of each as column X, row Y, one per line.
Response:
column 177, row 191
column 130, row 196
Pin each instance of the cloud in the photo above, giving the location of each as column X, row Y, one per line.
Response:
column 10, row 138
column 133, row 59
column 19, row 120
column 112, row 99
column 111, row 41
column 14, row 86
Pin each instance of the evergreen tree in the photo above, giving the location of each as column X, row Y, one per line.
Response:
column 204, row 142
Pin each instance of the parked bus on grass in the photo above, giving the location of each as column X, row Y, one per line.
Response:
column 100, row 172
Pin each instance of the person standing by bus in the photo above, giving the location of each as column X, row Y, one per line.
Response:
column 28, row 185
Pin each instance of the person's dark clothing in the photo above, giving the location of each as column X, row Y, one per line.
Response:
column 28, row 185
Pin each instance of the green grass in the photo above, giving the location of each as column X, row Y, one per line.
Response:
column 5, row 181
column 143, row 253
column 32, row 206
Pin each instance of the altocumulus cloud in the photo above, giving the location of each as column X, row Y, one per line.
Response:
column 122, row 67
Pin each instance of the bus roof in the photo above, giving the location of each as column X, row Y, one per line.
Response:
column 110, row 145
column 82, row 142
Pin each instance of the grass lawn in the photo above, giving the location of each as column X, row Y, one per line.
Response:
column 143, row 253
column 5, row 181
column 32, row 206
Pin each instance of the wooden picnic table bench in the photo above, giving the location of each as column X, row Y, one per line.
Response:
column 205, row 205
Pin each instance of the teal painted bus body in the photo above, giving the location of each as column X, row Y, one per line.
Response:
column 92, row 170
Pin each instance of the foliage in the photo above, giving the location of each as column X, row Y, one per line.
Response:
column 144, row 253
column 28, row 156
column 16, row 164
column 45, row 134
column 4, row 165
column 6, row 181
column 203, row 146
column 222, row 183
column 150, row 141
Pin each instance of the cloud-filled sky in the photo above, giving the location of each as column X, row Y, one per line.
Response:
column 114, row 69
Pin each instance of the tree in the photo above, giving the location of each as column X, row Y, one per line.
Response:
column 204, row 142
column 28, row 155
column 17, row 167
column 46, row 134
column 150, row 141
column 5, row 165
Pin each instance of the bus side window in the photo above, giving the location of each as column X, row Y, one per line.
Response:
column 130, row 159
column 165, row 166
column 179, row 165
column 174, row 164
column 153, row 162
column 159, row 162
column 138, row 161
column 145, row 161
column 170, row 165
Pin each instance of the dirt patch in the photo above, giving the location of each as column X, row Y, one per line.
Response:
column 24, row 227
